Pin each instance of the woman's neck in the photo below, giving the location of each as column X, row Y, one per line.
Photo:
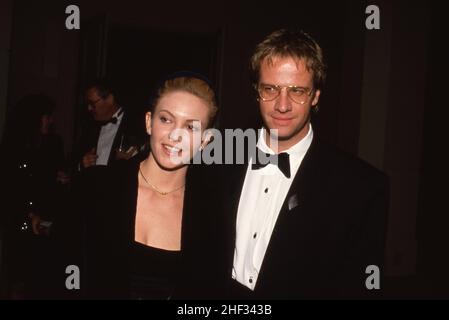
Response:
column 162, row 178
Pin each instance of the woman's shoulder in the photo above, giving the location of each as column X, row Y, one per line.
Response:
column 109, row 180
column 125, row 168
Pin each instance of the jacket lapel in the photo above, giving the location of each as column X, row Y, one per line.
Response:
column 301, row 195
column 117, row 139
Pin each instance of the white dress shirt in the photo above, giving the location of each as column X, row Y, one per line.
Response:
column 263, row 194
column 106, row 139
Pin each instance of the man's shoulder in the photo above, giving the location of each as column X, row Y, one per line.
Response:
column 350, row 167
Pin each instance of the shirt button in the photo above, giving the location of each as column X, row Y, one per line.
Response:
column 250, row 280
column 266, row 190
column 255, row 235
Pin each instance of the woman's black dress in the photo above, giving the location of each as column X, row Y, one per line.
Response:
column 114, row 265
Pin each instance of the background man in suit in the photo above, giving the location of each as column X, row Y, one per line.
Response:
column 109, row 137
column 310, row 225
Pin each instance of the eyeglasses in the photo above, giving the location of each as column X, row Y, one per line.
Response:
column 269, row 92
column 93, row 103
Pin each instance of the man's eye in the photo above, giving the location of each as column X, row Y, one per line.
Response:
column 269, row 89
column 298, row 91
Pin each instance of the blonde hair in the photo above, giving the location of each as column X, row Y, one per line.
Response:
column 195, row 86
column 295, row 44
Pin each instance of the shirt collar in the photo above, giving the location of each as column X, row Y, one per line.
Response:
column 118, row 114
column 296, row 152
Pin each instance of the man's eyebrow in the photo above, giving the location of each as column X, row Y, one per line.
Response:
column 276, row 85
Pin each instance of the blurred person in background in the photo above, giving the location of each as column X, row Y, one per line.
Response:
column 32, row 163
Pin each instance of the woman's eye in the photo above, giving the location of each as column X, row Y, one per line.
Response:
column 164, row 119
column 192, row 127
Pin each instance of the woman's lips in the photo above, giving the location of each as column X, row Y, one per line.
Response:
column 171, row 151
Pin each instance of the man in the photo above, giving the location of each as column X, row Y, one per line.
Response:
column 110, row 137
column 310, row 225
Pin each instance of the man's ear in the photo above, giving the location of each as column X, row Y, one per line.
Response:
column 148, row 122
column 316, row 97
column 110, row 99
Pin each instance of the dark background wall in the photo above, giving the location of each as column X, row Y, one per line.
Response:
column 377, row 103
column 55, row 65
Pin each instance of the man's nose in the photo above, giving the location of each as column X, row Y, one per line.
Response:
column 283, row 103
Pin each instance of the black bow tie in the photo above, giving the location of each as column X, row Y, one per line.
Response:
column 282, row 160
column 112, row 120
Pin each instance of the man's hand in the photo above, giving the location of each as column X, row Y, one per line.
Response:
column 126, row 155
column 62, row 177
column 39, row 227
column 89, row 158
column 35, row 223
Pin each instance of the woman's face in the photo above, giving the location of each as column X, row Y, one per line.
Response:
column 176, row 128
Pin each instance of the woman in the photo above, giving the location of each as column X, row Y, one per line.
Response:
column 138, row 217
column 31, row 162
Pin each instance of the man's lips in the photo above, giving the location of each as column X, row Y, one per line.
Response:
column 282, row 121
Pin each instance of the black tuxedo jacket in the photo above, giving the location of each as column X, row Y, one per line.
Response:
column 330, row 228
column 131, row 132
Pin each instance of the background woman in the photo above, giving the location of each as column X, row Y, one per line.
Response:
column 32, row 160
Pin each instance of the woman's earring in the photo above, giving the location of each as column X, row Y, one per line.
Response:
column 316, row 109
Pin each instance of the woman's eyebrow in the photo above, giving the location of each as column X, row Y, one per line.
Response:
column 165, row 110
column 171, row 114
column 193, row 120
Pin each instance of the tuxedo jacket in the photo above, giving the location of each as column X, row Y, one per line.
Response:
column 132, row 132
column 330, row 228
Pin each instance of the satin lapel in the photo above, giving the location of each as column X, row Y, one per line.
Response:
column 117, row 139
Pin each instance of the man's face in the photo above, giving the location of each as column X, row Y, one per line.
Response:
column 46, row 123
column 289, row 117
column 101, row 109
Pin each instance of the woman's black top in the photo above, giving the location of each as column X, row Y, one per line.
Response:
column 114, row 265
column 153, row 272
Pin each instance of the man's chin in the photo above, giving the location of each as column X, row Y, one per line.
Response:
column 286, row 133
column 281, row 134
